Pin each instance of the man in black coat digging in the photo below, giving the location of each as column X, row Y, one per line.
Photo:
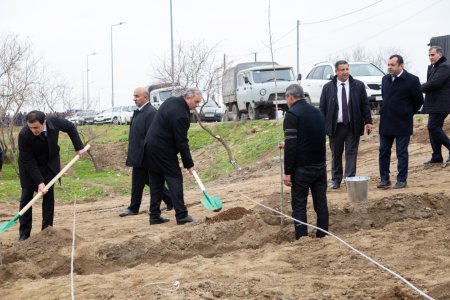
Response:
column 140, row 123
column 39, row 163
column 168, row 136
column 402, row 98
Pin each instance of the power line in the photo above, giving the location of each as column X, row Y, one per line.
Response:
column 344, row 15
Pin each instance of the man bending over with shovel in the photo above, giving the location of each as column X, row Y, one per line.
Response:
column 305, row 160
column 168, row 136
column 39, row 163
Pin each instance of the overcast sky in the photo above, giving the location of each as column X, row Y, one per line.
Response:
column 64, row 32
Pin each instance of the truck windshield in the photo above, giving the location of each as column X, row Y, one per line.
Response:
column 164, row 95
column 267, row 75
column 365, row 70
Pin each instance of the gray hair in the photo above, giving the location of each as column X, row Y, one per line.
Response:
column 437, row 48
column 191, row 92
column 295, row 90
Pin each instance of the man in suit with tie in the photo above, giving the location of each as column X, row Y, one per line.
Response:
column 346, row 110
column 140, row 123
column 402, row 98
column 437, row 102
column 39, row 163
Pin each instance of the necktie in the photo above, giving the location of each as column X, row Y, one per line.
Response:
column 345, row 118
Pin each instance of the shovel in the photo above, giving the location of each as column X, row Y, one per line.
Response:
column 5, row 225
column 211, row 203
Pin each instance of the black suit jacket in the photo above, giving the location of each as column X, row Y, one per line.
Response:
column 437, row 88
column 402, row 98
column 168, row 136
column 140, row 123
column 36, row 155
column 358, row 106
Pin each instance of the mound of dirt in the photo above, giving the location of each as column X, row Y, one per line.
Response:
column 234, row 213
column 398, row 294
column 441, row 292
column 44, row 255
column 111, row 155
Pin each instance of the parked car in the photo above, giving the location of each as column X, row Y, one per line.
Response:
column 106, row 116
column 321, row 73
column 125, row 113
column 83, row 117
column 210, row 111
column 161, row 92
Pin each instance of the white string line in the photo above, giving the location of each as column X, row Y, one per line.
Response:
column 72, row 287
column 175, row 285
column 420, row 292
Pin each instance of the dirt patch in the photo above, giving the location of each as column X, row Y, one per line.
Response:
column 398, row 294
column 234, row 213
column 43, row 255
column 111, row 155
column 441, row 292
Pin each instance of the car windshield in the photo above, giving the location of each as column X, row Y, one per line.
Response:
column 209, row 104
column 365, row 70
column 267, row 75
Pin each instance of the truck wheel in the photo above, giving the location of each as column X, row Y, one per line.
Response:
column 235, row 113
column 308, row 100
column 115, row 121
column 253, row 113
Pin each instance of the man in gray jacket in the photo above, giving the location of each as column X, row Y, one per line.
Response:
column 437, row 102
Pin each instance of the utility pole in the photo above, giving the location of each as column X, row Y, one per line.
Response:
column 172, row 72
column 298, row 47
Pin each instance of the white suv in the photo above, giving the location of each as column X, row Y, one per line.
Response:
column 321, row 73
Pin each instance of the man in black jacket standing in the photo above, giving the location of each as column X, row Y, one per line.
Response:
column 39, row 163
column 305, row 159
column 140, row 123
column 168, row 136
column 437, row 102
column 345, row 106
column 402, row 98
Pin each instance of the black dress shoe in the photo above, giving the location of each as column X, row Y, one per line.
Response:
column 184, row 220
column 159, row 220
column 399, row 185
column 335, row 185
column 128, row 213
column 384, row 184
column 23, row 237
column 434, row 161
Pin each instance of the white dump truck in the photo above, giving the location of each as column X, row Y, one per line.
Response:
column 249, row 88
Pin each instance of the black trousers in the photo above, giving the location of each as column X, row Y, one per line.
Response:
column 312, row 177
column 401, row 148
column 175, row 184
column 437, row 135
column 48, row 207
column 343, row 137
column 140, row 178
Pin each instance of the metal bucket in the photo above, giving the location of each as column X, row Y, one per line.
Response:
column 357, row 188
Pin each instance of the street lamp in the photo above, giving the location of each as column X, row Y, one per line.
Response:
column 112, row 63
column 87, row 78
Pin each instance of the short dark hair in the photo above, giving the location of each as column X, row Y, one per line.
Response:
column 34, row 116
column 399, row 58
column 437, row 48
column 295, row 90
column 340, row 62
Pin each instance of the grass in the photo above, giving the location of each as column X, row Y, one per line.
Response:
column 249, row 141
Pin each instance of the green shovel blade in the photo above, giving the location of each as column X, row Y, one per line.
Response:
column 4, row 226
column 212, row 203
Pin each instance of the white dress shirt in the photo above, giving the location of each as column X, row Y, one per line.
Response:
column 339, row 97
